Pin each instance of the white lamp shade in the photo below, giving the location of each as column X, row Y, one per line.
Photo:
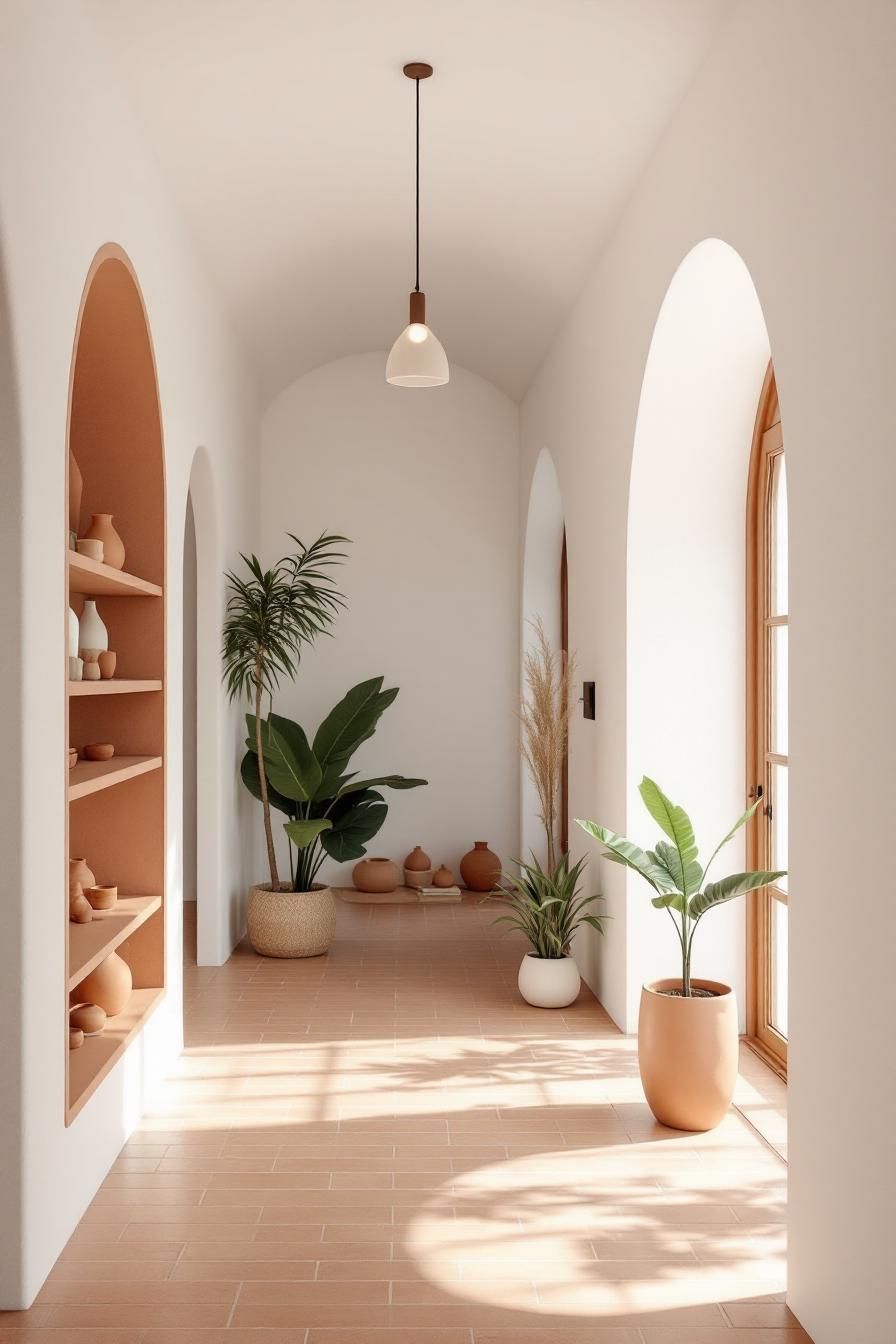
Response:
column 417, row 359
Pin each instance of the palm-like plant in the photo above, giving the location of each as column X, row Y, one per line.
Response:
column 271, row 614
column 674, row 870
column 546, row 906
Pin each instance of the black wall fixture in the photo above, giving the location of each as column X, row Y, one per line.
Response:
column 588, row 700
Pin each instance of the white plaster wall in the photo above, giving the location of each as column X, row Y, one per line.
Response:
column 426, row 486
column 784, row 149
column 73, row 175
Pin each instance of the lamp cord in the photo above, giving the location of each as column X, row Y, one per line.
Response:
column 417, row 200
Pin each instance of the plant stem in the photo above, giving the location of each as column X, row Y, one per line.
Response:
column 263, row 781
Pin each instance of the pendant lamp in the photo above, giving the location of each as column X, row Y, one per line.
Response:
column 417, row 358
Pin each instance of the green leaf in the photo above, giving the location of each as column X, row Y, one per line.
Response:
column 675, row 901
column 676, row 823
column 667, row 857
column 742, row 820
column 304, row 831
column 289, row 762
column 383, row 781
column 729, row 887
column 348, row 838
column 629, row 854
column 249, row 776
column 352, row 721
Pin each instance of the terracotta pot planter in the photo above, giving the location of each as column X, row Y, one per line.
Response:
column 480, row 869
column 376, row 875
column 101, row 529
column 687, row 1053
column 109, row 985
column 291, row 923
column 549, row 982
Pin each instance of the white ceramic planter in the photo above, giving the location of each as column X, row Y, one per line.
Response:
column 549, row 982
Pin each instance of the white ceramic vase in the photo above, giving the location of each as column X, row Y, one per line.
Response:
column 549, row 982
column 93, row 633
column 73, row 640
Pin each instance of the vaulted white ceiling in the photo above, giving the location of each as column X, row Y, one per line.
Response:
column 285, row 128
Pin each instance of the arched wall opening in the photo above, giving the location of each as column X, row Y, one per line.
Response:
column 542, row 566
column 686, row 590
column 201, row 851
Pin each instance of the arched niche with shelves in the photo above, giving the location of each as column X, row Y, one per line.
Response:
column 115, row 810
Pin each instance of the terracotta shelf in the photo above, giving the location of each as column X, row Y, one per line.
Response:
column 89, row 944
column 91, row 578
column 112, row 687
column 88, row 1066
column 90, row 776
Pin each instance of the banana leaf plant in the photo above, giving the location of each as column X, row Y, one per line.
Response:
column 331, row 813
column 674, row 870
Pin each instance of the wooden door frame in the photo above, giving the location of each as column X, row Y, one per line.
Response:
column 564, row 646
column 767, row 1042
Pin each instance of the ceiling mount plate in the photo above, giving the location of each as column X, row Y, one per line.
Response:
column 418, row 70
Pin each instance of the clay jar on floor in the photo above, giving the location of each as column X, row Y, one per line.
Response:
column 377, row 876
column 480, row 869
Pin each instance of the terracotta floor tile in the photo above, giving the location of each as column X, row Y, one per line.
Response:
column 386, row 1146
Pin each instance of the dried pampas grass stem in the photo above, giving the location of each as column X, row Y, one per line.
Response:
column 544, row 717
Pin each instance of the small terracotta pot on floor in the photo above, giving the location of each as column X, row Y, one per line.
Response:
column 687, row 1053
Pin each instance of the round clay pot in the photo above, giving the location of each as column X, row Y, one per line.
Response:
column 291, row 923
column 109, row 985
column 99, row 751
column 79, row 875
column 101, row 529
column 88, row 1018
column 91, row 671
column 106, row 662
column 549, row 982
column 443, row 877
column 418, row 861
column 80, row 910
column 687, row 1053
column 75, row 1038
column 480, row 869
column 376, row 875
column 104, row 897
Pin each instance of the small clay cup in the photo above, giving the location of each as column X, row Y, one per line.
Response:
column 87, row 1017
column 106, row 662
column 90, row 547
column 99, row 751
column 75, row 1038
column 91, row 671
column 102, row 897
column 72, row 757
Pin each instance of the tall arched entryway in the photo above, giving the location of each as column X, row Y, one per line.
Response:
column 544, row 599
column 686, row 583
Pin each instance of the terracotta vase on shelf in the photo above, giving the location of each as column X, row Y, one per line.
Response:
column 109, row 985
column 88, row 1018
column 80, row 911
column 480, row 869
column 377, row 876
column 75, row 492
column 101, row 529
column 93, row 637
column 79, row 875
column 106, row 662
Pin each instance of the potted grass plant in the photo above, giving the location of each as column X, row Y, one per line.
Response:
column 544, row 902
column 687, row 1027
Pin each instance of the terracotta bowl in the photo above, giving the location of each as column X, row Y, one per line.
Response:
column 102, row 897
column 99, row 751
column 90, row 547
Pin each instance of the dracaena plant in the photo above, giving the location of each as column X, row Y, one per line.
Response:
column 547, row 907
column 271, row 615
column 332, row 813
column 674, row 870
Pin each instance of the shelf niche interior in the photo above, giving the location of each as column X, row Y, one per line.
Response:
column 118, row 824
